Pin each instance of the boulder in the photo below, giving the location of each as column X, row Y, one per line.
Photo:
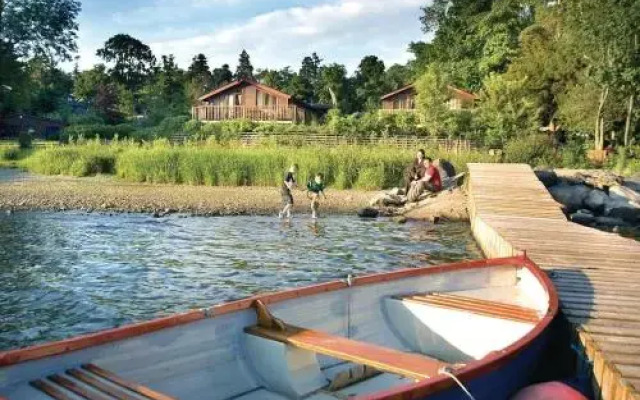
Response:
column 609, row 221
column 571, row 196
column 377, row 200
column 394, row 200
column 626, row 212
column 547, row 177
column 596, row 201
column 368, row 212
column 582, row 218
column 626, row 193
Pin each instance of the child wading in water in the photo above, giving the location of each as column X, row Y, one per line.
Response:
column 314, row 189
column 285, row 191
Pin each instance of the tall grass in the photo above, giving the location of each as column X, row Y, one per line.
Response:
column 75, row 160
column 344, row 167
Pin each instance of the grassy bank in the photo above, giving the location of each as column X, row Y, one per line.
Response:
column 345, row 167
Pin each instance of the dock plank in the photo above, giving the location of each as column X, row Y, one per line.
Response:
column 596, row 273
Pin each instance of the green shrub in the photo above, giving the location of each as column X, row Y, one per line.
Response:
column 86, row 119
column 11, row 153
column 535, row 150
column 25, row 140
column 574, row 155
column 171, row 126
column 74, row 160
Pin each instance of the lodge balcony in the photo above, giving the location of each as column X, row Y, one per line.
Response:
column 397, row 110
column 207, row 113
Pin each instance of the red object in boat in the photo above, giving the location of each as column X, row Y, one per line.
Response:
column 549, row 391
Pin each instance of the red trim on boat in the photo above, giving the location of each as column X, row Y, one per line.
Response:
column 413, row 391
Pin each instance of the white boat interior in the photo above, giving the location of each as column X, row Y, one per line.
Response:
column 338, row 343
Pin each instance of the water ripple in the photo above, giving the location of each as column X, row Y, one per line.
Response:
column 63, row 274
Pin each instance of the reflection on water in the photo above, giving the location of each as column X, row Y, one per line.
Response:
column 62, row 274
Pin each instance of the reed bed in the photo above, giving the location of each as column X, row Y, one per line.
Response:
column 344, row 167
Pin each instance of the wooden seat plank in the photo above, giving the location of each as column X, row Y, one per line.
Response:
column 477, row 306
column 410, row 365
column 77, row 389
column 134, row 387
column 90, row 380
column 50, row 389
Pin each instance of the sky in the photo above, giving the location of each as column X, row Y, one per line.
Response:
column 275, row 33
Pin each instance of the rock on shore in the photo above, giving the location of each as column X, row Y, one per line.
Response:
column 594, row 197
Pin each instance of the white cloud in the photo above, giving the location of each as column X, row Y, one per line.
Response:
column 340, row 31
column 343, row 31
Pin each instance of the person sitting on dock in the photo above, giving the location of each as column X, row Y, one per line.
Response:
column 430, row 181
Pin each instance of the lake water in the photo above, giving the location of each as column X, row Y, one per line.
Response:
column 63, row 274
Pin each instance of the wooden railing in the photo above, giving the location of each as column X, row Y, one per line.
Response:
column 397, row 110
column 222, row 113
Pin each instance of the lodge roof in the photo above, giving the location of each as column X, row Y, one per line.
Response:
column 239, row 82
column 462, row 93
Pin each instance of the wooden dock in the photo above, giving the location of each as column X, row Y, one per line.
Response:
column 597, row 274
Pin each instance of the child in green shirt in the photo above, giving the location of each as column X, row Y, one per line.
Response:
column 314, row 189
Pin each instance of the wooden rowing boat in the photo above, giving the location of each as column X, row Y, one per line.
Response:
column 408, row 334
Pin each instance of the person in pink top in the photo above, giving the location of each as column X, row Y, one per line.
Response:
column 430, row 181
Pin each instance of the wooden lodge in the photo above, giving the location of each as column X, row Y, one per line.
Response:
column 404, row 99
column 250, row 100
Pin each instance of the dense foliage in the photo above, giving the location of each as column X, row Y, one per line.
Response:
column 570, row 69
column 572, row 65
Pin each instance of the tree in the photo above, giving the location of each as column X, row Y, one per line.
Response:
column 334, row 87
column 105, row 97
column 279, row 79
column 221, row 76
column 244, row 69
column 49, row 86
column 310, row 77
column 472, row 38
column 431, row 100
column 199, row 78
column 397, row 76
column 164, row 95
column 369, row 81
column 44, row 28
column 132, row 60
column 87, row 82
column 199, row 66
column 506, row 110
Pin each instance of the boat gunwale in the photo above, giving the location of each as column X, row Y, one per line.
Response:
column 472, row 369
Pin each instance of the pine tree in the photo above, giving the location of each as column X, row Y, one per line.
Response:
column 244, row 69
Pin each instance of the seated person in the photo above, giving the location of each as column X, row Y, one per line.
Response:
column 431, row 181
column 415, row 171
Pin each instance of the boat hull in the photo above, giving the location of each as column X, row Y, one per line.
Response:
column 203, row 353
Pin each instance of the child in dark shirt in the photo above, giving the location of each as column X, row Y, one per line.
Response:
column 285, row 191
column 314, row 189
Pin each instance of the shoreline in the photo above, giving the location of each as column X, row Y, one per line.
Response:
column 107, row 194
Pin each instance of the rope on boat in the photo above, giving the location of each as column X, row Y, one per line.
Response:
column 449, row 372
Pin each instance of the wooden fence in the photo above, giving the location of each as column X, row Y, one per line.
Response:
column 313, row 139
